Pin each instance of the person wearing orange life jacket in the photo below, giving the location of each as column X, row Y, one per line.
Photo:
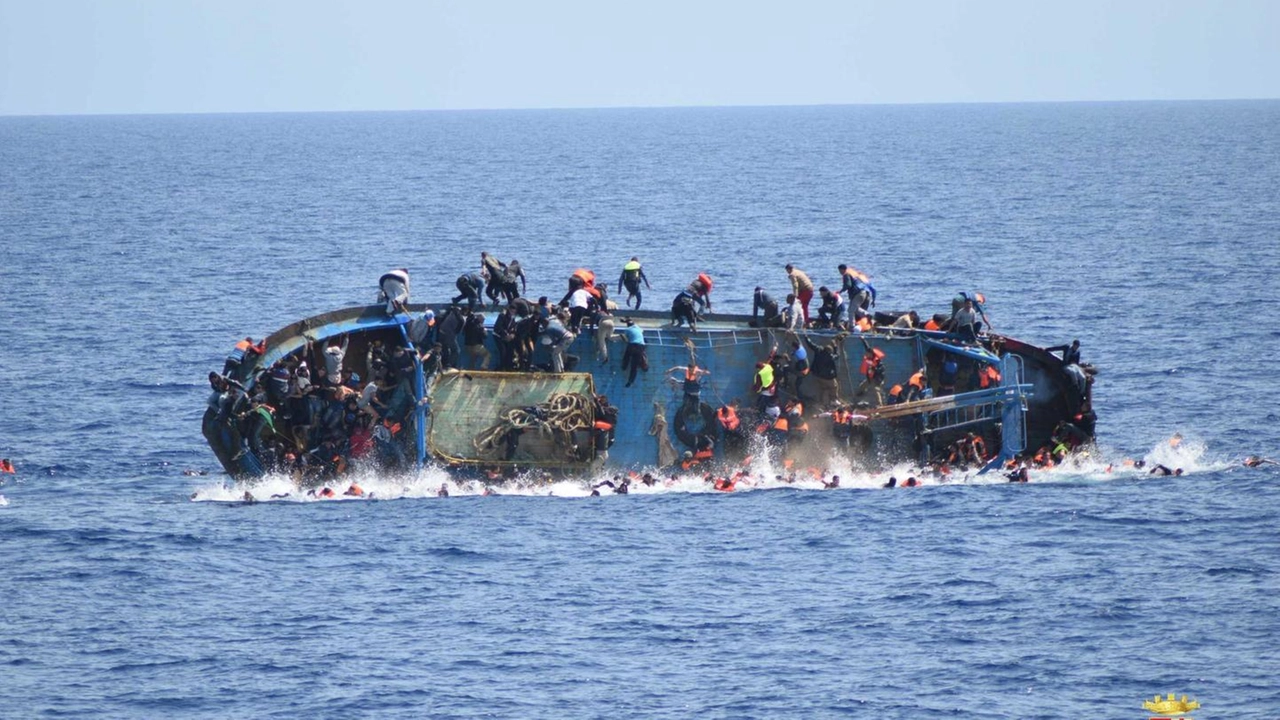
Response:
column 682, row 307
column 691, row 460
column 936, row 322
column 243, row 355
column 735, row 438
column 727, row 416
column 988, row 376
column 895, row 395
column 6, row 466
column 796, row 426
column 692, row 386
column 857, row 288
column 918, row 386
column 872, row 371
column 842, row 425
column 778, row 429
column 605, row 425
column 977, row 449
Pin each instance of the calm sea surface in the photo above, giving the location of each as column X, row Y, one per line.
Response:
column 134, row 252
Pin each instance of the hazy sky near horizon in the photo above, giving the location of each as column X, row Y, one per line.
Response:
column 162, row 56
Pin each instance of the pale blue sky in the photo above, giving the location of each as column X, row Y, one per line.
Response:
column 159, row 56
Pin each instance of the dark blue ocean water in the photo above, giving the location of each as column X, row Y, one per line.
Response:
column 134, row 251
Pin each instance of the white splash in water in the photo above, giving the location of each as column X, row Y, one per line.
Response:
column 760, row 474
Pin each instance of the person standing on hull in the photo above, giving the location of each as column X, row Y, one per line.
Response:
column 504, row 338
column 965, row 322
column 558, row 338
column 447, row 334
column 631, row 277
column 422, row 330
column 334, row 354
column 857, row 288
column 580, row 302
column 393, row 289
column 470, row 286
column 473, row 338
column 801, row 287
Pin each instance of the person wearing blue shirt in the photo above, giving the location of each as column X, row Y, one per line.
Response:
column 635, row 356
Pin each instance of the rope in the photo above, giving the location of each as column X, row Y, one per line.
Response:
column 561, row 415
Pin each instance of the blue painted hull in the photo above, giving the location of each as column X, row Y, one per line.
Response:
column 729, row 349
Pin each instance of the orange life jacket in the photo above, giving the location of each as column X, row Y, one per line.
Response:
column 871, row 361
column 780, row 423
column 895, row 391
column 864, row 324
column 726, row 484
column 728, row 418
column 6, row 466
column 989, row 376
column 980, row 447
column 703, row 454
column 246, row 346
column 932, row 325
column 705, row 279
column 602, row 425
column 799, row 424
column 852, row 272
column 917, row 381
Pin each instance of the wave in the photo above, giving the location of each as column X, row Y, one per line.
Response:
column 1176, row 452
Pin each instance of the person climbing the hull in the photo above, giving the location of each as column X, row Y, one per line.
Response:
column 634, row 358
column 470, row 286
column 831, row 312
column 393, row 289
column 764, row 384
column 691, row 375
column 763, row 303
column 631, row 277
column 682, row 308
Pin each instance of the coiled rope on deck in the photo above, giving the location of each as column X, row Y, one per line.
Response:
column 557, row 418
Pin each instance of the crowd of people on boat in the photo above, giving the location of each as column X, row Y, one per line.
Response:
column 317, row 422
